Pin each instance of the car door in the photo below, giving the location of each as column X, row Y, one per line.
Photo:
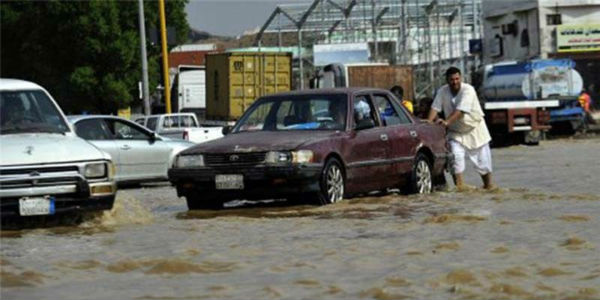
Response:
column 402, row 135
column 368, row 147
column 142, row 157
column 97, row 132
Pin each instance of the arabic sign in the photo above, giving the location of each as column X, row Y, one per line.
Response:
column 578, row 38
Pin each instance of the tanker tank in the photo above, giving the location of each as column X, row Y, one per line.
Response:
column 531, row 80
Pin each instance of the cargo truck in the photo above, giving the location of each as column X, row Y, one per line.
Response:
column 377, row 75
column 189, row 90
column 235, row 80
column 519, row 97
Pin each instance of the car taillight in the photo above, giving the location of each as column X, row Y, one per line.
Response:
column 186, row 135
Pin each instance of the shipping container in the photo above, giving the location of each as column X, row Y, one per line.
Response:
column 383, row 77
column 235, row 80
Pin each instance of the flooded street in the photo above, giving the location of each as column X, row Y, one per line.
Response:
column 534, row 238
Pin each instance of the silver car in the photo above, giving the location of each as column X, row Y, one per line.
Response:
column 140, row 155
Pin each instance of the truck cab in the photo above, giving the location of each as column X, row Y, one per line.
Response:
column 45, row 169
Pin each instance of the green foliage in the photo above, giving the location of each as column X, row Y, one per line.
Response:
column 86, row 53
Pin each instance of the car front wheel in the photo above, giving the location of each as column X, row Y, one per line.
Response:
column 207, row 201
column 331, row 182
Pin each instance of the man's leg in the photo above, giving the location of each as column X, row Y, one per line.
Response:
column 482, row 158
column 459, row 164
column 488, row 183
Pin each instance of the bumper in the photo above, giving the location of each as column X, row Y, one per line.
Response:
column 260, row 182
column 77, row 195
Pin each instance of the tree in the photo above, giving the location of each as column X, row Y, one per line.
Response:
column 86, row 53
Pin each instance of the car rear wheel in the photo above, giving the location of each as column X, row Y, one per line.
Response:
column 331, row 183
column 421, row 179
column 207, row 201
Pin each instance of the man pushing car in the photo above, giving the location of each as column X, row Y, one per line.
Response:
column 467, row 133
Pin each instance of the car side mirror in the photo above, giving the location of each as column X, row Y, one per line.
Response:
column 365, row 124
column 226, row 129
column 153, row 137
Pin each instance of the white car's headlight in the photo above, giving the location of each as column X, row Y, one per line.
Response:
column 302, row 156
column 95, row 170
column 187, row 161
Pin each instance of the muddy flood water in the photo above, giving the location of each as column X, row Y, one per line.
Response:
column 535, row 238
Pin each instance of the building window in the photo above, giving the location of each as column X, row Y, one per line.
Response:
column 524, row 38
column 553, row 19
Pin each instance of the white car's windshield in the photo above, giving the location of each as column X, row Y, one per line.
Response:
column 299, row 112
column 29, row 111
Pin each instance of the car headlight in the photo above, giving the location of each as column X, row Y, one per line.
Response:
column 297, row 157
column 187, row 161
column 95, row 170
column 302, row 156
column 274, row 157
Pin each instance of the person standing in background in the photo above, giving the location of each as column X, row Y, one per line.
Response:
column 398, row 91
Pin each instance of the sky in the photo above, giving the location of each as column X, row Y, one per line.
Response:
column 230, row 17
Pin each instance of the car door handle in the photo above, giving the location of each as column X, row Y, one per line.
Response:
column 383, row 137
column 125, row 147
column 413, row 133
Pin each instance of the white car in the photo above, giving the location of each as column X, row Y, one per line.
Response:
column 45, row 168
column 140, row 155
column 181, row 126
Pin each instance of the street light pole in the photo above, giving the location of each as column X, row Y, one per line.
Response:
column 145, row 88
column 165, row 55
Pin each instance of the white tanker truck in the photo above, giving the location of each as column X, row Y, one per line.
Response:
column 522, row 99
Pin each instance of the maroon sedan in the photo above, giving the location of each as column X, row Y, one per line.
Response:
column 316, row 144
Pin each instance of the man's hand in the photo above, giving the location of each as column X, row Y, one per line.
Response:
column 442, row 122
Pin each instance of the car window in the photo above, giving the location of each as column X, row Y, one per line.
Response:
column 94, row 130
column 171, row 122
column 140, row 121
column 187, row 121
column 151, row 123
column 296, row 112
column 387, row 112
column 29, row 111
column 363, row 112
column 125, row 131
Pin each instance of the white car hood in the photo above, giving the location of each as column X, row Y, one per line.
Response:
column 36, row 148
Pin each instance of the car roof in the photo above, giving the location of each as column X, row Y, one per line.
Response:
column 77, row 118
column 347, row 90
column 7, row 84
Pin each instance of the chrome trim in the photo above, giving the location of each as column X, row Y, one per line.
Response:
column 376, row 162
column 33, row 191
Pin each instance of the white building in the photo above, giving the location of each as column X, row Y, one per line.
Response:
column 518, row 30
column 525, row 29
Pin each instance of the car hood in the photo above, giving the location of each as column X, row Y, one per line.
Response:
column 37, row 148
column 259, row 141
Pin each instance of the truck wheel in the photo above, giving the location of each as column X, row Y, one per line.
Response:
column 331, row 183
column 206, row 201
column 532, row 138
column 421, row 179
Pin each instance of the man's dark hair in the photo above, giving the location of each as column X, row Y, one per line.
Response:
column 397, row 90
column 451, row 71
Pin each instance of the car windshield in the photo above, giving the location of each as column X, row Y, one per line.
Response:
column 297, row 112
column 29, row 111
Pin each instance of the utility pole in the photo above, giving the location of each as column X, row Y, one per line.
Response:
column 165, row 55
column 145, row 89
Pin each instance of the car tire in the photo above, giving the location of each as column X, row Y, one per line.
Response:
column 421, row 178
column 331, row 183
column 205, row 202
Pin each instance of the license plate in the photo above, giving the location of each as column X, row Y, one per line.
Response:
column 36, row 206
column 229, row 182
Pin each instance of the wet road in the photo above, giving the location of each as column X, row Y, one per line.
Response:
column 534, row 238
